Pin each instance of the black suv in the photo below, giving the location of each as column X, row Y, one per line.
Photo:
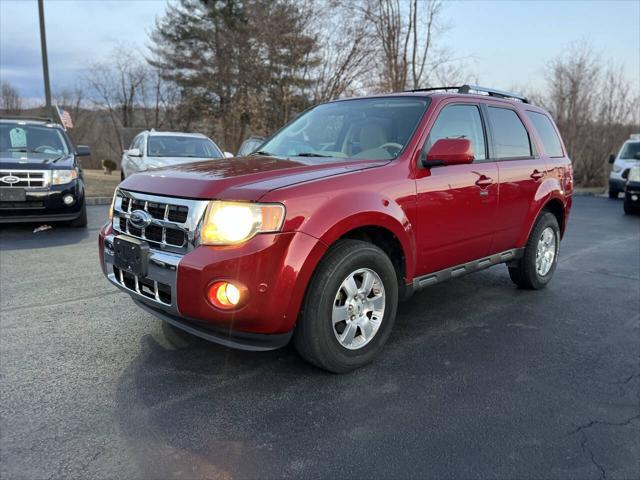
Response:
column 40, row 179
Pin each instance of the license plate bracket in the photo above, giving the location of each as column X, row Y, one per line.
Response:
column 13, row 195
column 131, row 255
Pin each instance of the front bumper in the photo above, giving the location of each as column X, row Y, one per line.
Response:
column 274, row 268
column 632, row 192
column 45, row 205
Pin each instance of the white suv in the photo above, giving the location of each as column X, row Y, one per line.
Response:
column 151, row 149
column 628, row 156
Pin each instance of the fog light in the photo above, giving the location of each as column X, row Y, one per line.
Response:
column 68, row 199
column 634, row 197
column 226, row 295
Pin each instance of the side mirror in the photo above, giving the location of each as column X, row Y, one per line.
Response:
column 612, row 158
column 449, row 151
column 228, row 155
column 134, row 152
column 83, row 151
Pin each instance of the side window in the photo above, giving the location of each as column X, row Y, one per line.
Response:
column 510, row 137
column 548, row 134
column 460, row 121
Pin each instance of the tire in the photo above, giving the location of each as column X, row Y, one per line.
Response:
column 81, row 221
column 526, row 274
column 629, row 208
column 613, row 194
column 316, row 335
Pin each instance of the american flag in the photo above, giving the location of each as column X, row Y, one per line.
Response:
column 65, row 118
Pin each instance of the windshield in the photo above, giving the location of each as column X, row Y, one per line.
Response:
column 18, row 137
column 630, row 151
column 179, row 146
column 371, row 128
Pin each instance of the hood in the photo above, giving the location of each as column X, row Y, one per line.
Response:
column 239, row 178
column 34, row 161
column 161, row 162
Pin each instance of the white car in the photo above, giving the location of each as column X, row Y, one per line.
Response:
column 628, row 157
column 151, row 149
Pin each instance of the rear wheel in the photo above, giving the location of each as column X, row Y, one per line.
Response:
column 613, row 194
column 349, row 308
column 121, row 175
column 536, row 267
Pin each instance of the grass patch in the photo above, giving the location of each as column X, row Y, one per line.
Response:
column 97, row 184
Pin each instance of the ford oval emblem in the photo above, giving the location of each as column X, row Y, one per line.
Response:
column 10, row 179
column 140, row 218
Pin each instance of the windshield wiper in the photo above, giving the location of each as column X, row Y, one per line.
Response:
column 312, row 154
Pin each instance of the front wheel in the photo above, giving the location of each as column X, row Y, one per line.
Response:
column 536, row 267
column 81, row 221
column 349, row 308
column 613, row 194
column 630, row 208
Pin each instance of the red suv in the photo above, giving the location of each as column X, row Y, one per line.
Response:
column 349, row 208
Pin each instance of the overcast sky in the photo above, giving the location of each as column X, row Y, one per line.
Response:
column 507, row 42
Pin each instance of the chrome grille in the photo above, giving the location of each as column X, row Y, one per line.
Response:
column 26, row 178
column 175, row 222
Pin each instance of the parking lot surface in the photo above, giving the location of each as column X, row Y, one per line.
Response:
column 479, row 379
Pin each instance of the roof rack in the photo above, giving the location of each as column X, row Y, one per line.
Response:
column 27, row 118
column 492, row 92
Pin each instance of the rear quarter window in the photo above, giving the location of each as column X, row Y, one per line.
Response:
column 547, row 133
column 510, row 137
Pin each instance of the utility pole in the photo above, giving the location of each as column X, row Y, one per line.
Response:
column 45, row 61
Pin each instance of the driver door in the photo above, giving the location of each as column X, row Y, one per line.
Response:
column 456, row 204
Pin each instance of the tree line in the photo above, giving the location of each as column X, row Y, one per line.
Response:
column 235, row 68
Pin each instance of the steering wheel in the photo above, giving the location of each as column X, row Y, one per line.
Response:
column 397, row 146
column 44, row 148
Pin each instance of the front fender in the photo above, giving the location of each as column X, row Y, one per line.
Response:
column 355, row 209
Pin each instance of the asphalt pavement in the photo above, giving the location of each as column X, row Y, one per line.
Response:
column 478, row 380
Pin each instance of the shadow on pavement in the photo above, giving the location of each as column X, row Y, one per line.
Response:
column 21, row 236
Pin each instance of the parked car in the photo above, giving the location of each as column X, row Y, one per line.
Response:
column 632, row 191
column 249, row 146
column 350, row 207
column 151, row 149
column 628, row 157
column 40, row 178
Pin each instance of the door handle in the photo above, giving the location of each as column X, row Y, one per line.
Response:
column 484, row 181
column 537, row 175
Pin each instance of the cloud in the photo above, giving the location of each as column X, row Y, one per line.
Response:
column 78, row 34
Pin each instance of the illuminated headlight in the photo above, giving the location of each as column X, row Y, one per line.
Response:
column 60, row 177
column 634, row 174
column 230, row 223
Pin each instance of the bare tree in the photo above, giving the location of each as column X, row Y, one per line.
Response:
column 10, row 100
column 116, row 86
column 346, row 53
column 595, row 108
column 406, row 41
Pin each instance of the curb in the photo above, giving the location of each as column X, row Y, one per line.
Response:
column 98, row 200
